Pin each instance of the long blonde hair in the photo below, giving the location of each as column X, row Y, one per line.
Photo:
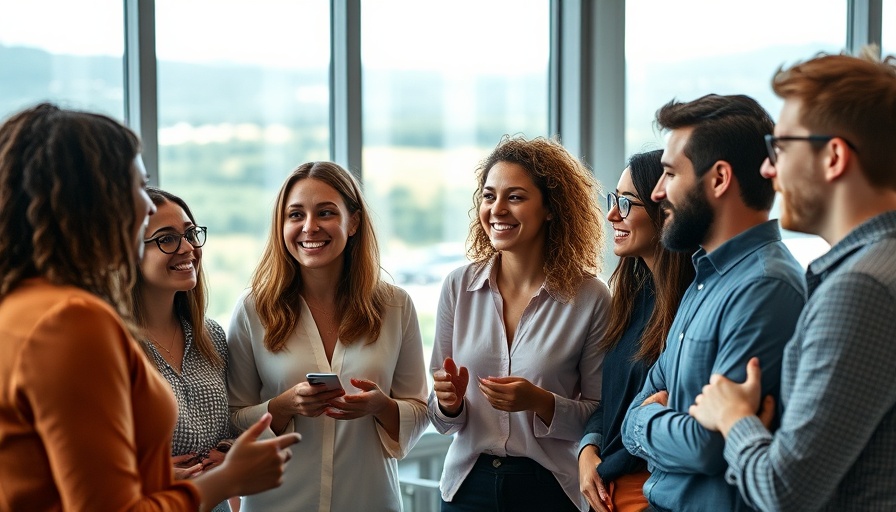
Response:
column 361, row 295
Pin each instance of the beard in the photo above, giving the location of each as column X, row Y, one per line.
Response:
column 690, row 223
column 801, row 209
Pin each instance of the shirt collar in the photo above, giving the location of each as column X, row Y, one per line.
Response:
column 873, row 229
column 730, row 253
column 484, row 273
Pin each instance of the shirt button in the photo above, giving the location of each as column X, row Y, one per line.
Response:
column 680, row 336
column 699, row 286
column 496, row 463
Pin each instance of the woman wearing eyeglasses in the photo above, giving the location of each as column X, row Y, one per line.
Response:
column 190, row 350
column 647, row 286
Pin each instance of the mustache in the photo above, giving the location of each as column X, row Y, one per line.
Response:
column 666, row 207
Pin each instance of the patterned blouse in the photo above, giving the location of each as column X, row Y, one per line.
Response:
column 203, row 416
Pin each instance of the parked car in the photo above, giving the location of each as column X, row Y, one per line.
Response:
column 429, row 268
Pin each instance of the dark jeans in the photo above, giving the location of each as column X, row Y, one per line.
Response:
column 509, row 484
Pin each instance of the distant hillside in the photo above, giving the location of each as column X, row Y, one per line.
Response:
column 404, row 107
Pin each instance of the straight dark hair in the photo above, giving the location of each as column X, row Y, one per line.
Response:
column 728, row 128
column 673, row 272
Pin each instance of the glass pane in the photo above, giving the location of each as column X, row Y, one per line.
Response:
column 243, row 99
column 689, row 48
column 437, row 97
column 888, row 27
column 72, row 57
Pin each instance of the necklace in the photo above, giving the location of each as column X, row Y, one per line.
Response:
column 173, row 339
column 327, row 316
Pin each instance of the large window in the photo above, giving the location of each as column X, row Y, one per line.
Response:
column 441, row 84
column 243, row 99
column 688, row 48
column 888, row 27
column 56, row 50
column 243, row 94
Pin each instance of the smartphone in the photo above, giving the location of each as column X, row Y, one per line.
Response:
column 330, row 380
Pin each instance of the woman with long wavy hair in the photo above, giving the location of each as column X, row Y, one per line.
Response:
column 85, row 418
column 317, row 305
column 647, row 286
column 522, row 324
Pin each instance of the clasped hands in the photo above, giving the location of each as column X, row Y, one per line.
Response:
column 193, row 464
column 509, row 394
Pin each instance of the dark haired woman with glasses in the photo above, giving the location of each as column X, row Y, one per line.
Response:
column 189, row 349
column 647, row 286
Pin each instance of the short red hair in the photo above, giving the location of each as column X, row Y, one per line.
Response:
column 853, row 98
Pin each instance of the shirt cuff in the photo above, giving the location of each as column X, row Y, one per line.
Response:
column 634, row 435
column 443, row 423
column 245, row 417
column 410, row 421
column 542, row 430
column 745, row 434
column 592, row 438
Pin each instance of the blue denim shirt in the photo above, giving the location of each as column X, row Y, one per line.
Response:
column 744, row 302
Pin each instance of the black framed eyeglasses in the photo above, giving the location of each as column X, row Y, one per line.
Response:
column 772, row 143
column 169, row 243
column 624, row 204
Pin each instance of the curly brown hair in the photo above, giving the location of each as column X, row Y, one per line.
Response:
column 68, row 213
column 570, row 192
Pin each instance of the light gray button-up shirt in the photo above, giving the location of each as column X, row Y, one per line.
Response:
column 555, row 348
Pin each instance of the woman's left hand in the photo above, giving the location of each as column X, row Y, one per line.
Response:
column 509, row 394
column 513, row 394
column 370, row 401
column 214, row 459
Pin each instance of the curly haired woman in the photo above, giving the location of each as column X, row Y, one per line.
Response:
column 522, row 323
column 85, row 418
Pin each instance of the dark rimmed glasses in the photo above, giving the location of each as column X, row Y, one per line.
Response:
column 773, row 146
column 624, row 204
column 169, row 243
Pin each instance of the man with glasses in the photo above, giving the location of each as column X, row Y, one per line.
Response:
column 833, row 158
column 744, row 301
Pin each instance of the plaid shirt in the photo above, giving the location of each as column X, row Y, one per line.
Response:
column 836, row 448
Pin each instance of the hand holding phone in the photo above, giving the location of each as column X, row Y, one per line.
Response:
column 330, row 381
